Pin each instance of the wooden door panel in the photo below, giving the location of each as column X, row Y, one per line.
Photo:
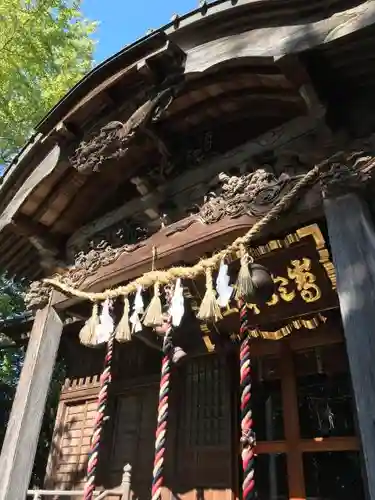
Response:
column 204, row 459
column 133, row 439
column 70, row 446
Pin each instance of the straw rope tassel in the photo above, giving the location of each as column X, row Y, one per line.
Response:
column 162, row 422
column 105, row 380
column 247, row 433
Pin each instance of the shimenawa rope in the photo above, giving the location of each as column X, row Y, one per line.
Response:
column 168, row 276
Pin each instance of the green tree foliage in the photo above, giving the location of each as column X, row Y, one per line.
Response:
column 11, row 300
column 11, row 306
column 45, row 48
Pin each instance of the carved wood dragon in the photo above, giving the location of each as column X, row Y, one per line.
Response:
column 113, row 140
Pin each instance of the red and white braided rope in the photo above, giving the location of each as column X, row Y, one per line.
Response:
column 105, row 380
column 247, row 432
column 162, row 419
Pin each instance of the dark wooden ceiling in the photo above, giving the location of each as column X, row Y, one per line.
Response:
column 235, row 104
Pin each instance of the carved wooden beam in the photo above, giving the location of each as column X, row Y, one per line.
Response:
column 281, row 40
column 198, row 180
column 354, row 172
column 166, row 58
column 187, row 240
column 113, row 140
column 227, row 215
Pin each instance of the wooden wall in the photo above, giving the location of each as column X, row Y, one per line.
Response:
column 199, row 450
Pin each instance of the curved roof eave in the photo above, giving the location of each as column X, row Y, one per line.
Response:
column 22, row 159
column 128, row 55
column 70, row 98
column 109, row 65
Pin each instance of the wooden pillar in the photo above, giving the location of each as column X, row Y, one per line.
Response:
column 21, row 439
column 291, row 424
column 352, row 239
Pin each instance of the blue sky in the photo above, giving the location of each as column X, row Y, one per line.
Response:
column 123, row 21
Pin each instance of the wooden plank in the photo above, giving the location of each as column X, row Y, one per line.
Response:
column 271, row 447
column 280, row 40
column 21, row 439
column 291, row 424
column 54, row 451
column 80, row 394
column 352, row 238
column 329, row 444
column 258, row 12
column 45, row 167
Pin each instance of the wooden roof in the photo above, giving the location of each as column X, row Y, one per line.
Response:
column 238, row 71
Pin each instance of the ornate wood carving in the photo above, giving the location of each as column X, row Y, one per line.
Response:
column 37, row 295
column 113, row 140
column 185, row 192
column 249, row 194
column 104, row 233
column 86, row 264
column 348, row 172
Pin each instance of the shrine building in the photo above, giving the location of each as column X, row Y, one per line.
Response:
column 195, row 224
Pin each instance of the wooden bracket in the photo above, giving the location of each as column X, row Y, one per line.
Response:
column 163, row 63
column 295, row 71
column 38, row 236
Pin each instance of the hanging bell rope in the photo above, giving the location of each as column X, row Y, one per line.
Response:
column 105, row 380
column 168, row 276
column 163, row 408
column 247, row 432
